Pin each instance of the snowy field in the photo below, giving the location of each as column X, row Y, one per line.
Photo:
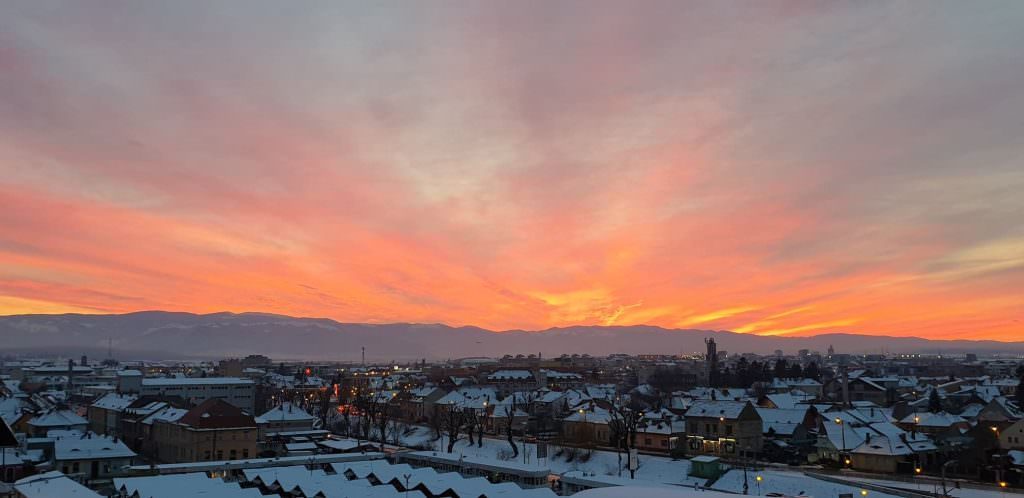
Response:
column 652, row 468
column 789, row 484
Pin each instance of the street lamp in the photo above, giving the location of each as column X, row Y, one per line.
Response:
column 842, row 430
column 863, row 492
column 758, row 480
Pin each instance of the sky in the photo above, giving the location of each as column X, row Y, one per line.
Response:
column 775, row 167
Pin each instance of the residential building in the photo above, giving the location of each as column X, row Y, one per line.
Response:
column 728, row 429
column 213, row 430
column 91, row 456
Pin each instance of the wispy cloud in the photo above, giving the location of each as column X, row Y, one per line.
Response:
column 780, row 167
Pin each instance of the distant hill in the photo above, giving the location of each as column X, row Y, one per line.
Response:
column 160, row 334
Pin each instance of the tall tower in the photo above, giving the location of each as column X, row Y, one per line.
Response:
column 711, row 359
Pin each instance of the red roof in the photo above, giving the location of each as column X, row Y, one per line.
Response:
column 217, row 414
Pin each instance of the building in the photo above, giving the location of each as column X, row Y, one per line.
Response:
column 55, row 419
column 285, row 417
column 234, row 390
column 213, row 430
column 50, row 485
column 91, row 456
column 507, row 381
column 104, row 414
column 728, row 429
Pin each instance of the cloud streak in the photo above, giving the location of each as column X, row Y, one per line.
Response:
column 781, row 168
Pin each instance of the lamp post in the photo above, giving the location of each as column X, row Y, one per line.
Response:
column 842, row 430
column 945, row 492
column 758, row 480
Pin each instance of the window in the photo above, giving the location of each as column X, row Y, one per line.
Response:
column 74, row 467
column 728, row 429
column 647, row 441
column 245, row 452
column 233, row 454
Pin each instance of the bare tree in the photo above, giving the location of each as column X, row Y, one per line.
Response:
column 513, row 403
column 624, row 421
column 452, row 422
column 378, row 412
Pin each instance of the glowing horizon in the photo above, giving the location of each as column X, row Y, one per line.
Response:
column 779, row 168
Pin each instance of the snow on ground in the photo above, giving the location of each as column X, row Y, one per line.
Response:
column 931, row 486
column 652, row 468
column 787, row 483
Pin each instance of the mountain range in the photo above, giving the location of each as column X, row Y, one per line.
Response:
column 175, row 335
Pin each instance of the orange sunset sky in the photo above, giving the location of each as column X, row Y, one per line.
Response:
column 770, row 167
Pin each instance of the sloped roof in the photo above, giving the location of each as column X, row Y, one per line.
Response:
column 285, row 412
column 929, row 419
column 217, row 414
column 90, row 447
column 727, row 409
column 57, row 418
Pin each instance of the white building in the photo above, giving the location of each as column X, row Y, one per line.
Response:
column 237, row 391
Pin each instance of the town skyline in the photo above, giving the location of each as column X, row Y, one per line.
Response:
column 770, row 169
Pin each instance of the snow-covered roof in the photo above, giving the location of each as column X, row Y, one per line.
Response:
column 929, row 419
column 178, row 485
column 57, row 418
column 510, row 375
column 193, row 381
column 52, row 485
column 285, row 412
column 591, row 415
column 881, row 445
column 90, row 447
column 115, row 401
column 781, row 421
column 718, row 409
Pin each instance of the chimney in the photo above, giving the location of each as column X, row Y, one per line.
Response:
column 846, row 388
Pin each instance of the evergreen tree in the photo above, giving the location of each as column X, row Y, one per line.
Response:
column 812, row 372
column 795, row 372
column 934, row 402
column 781, row 369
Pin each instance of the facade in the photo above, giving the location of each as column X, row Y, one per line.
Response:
column 728, row 429
column 234, row 390
column 214, row 430
column 91, row 456
column 285, row 417
column 104, row 414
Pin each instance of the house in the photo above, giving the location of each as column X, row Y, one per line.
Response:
column 867, row 389
column 1012, row 436
column 91, row 456
column 214, row 430
column 285, row 417
column 104, row 414
column 998, row 410
column 728, row 429
column 588, row 426
column 660, row 432
column 559, row 380
column 932, row 423
column 51, row 485
column 506, row 381
column 881, row 454
column 416, row 405
column 55, row 419
column 12, row 465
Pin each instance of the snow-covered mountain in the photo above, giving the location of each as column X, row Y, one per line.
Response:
column 180, row 335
